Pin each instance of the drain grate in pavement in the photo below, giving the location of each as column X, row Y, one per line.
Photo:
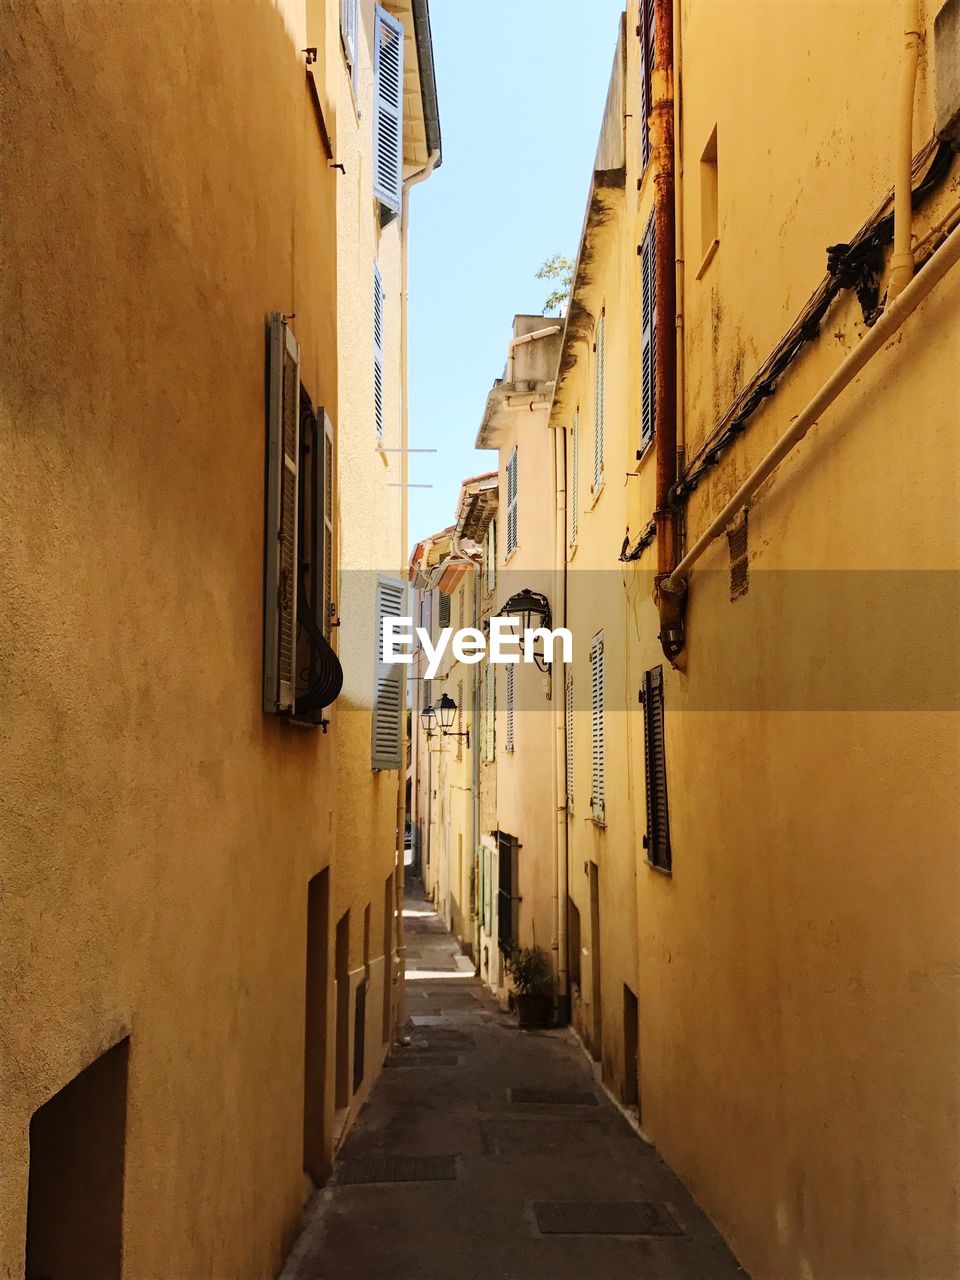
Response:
column 429, row 1020
column 604, row 1218
column 398, row 1169
column 423, row 1058
column 553, row 1097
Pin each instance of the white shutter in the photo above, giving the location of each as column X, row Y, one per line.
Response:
column 378, row 350
column 598, row 783
column 490, row 556
column 348, row 33
column 569, row 729
column 512, row 501
column 280, row 561
column 648, row 324
column 388, row 109
column 575, row 477
column 490, row 695
column 510, row 687
column 599, row 401
column 388, row 681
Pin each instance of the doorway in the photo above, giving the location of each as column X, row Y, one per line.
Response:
column 315, row 1032
column 75, row 1195
column 389, row 910
column 342, row 977
column 597, row 1045
column 631, row 1050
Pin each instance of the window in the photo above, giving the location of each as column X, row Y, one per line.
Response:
column 599, row 401
column 598, row 781
column 388, row 109
column 645, row 34
column 569, row 739
column 574, row 943
column 657, row 840
column 444, row 609
column 388, row 686
column 349, row 25
column 512, row 502
column 709, row 203
column 488, row 710
column 378, row 351
column 490, row 557
column 648, row 330
column 301, row 672
column 575, row 477
column 510, row 678
column 508, row 895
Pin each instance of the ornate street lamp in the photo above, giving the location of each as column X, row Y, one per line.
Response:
column 447, row 714
column 428, row 718
column 533, row 610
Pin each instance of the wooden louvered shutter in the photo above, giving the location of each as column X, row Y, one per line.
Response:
column 657, row 840
column 569, row 741
column 280, row 559
column 575, row 477
column 388, row 109
column 645, row 33
column 378, row 350
column 599, row 403
column 598, row 780
column 512, row 501
column 510, row 690
column 648, row 329
column 327, row 594
column 388, row 682
column 459, row 718
column 348, row 33
column 444, row 610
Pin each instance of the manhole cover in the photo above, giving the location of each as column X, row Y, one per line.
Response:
column 423, row 1059
column 604, row 1218
column 554, row 1097
column 398, row 1169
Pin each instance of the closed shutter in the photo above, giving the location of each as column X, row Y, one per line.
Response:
column 490, row 556
column 508, row 896
column 378, row 350
column 598, row 780
column 575, row 477
column 509, row 679
column 657, row 840
column 569, row 745
column 648, row 329
column 327, row 596
column 459, row 718
column 444, row 609
column 645, row 33
column 388, row 683
column 388, row 109
column 512, row 501
column 599, row 403
column 491, row 704
column 280, row 558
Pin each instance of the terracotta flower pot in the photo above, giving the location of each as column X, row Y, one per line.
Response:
column 533, row 1010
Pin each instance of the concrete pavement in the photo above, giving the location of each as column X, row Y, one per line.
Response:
column 487, row 1153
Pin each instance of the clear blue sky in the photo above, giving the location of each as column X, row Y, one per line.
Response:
column 521, row 85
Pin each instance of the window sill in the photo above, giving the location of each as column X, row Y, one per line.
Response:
column 509, row 556
column 661, row 871
column 571, row 551
column 708, row 257
column 596, row 493
column 644, row 453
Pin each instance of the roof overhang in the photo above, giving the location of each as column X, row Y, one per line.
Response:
column 477, row 506
column 421, row 115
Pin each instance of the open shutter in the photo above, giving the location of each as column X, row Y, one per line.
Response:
column 459, row 719
column 510, row 688
column 575, row 477
column 598, row 783
column 491, row 703
column 569, row 743
column 443, row 610
column 645, row 33
column 388, row 109
column 388, row 682
column 327, row 594
column 512, row 501
column 657, row 840
column 348, row 33
column 599, row 403
column 378, row 350
column 280, row 546
column 648, row 326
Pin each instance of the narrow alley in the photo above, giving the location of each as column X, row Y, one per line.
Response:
column 486, row 1151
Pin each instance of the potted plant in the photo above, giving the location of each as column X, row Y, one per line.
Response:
column 529, row 967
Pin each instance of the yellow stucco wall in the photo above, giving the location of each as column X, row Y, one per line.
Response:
column 797, row 1035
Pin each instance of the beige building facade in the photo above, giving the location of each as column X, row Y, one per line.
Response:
column 180, row 471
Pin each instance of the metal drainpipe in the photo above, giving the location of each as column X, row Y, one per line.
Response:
column 901, row 260
column 665, row 336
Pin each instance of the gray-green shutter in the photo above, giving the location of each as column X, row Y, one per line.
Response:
column 280, row 541
column 388, row 681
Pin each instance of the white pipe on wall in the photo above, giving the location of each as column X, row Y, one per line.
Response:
column 901, row 260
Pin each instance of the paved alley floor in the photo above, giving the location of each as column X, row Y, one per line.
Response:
column 487, row 1153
